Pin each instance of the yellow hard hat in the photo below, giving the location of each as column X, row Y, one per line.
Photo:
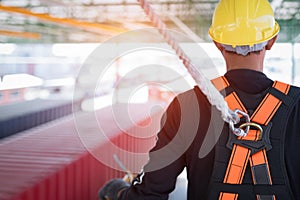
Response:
column 243, row 22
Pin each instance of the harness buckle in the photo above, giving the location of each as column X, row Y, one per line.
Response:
column 255, row 146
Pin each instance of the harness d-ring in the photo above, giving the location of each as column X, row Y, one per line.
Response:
column 248, row 124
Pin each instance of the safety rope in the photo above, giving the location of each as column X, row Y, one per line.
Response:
column 212, row 94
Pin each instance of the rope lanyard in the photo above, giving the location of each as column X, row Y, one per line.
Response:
column 212, row 94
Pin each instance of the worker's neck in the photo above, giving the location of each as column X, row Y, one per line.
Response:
column 253, row 61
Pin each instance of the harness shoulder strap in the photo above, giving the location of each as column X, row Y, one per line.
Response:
column 243, row 150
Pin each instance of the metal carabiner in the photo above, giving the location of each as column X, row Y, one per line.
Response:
column 239, row 131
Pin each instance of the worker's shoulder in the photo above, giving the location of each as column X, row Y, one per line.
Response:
column 296, row 88
column 294, row 93
column 194, row 94
column 292, row 97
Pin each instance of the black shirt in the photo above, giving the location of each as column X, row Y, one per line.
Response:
column 185, row 124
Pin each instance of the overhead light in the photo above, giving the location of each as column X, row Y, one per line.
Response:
column 59, row 82
column 14, row 81
column 73, row 50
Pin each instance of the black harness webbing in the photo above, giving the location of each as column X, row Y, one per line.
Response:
column 255, row 183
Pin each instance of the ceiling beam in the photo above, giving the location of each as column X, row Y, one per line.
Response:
column 27, row 35
column 87, row 26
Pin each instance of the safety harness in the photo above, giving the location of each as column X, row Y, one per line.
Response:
column 256, row 149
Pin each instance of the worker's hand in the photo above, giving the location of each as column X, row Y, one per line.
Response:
column 111, row 189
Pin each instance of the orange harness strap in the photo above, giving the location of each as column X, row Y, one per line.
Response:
column 241, row 154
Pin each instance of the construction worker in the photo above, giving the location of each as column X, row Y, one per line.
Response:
column 264, row 163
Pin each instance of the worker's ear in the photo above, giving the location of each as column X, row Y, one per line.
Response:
column 271, row 42
column 219, row 46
